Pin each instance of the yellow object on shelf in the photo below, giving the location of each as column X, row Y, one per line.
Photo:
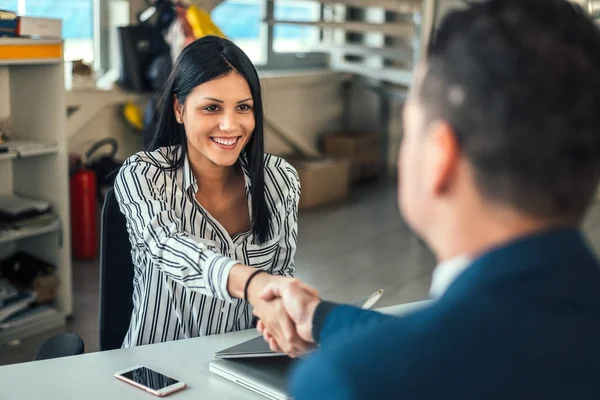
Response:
column 133, row 115
column 201, row 23
column 29, row 50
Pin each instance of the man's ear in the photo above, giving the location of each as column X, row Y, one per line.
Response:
column 178, row 109
column 444, row 157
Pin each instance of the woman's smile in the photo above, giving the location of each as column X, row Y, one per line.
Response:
column 226, row 143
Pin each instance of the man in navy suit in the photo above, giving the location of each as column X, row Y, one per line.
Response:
column 499, row 163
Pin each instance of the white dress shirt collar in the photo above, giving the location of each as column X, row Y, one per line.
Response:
column 446, row 273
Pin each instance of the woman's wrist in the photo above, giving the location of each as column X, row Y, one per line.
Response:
column 256, row 285
column 249, row 282
column 238, row 279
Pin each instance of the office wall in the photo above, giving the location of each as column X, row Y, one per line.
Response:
column 108, row 123
column 306, row 104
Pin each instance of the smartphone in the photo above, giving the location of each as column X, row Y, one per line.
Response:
column 149, row 380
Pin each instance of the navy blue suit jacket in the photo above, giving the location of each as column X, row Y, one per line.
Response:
column 522, row 322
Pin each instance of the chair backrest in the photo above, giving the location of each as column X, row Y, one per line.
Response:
column 116, row 275
column 62, row 345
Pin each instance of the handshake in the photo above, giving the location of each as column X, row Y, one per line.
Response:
column 285, row 308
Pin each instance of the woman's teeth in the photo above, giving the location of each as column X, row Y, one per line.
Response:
column 225, row 142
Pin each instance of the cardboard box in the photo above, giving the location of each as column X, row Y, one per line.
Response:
column 322, row 180
column 361, row 149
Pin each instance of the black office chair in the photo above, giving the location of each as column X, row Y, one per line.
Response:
column 116, row 288
column 116, row 275
column 60, row 346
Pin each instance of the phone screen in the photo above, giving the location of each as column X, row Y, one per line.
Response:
column 149, row 378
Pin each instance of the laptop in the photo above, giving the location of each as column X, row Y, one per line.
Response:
column 254, row 366
column 266, row 376
column 257, row 347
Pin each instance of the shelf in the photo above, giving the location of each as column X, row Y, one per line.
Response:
column 88, row 103
column 7, row 236
column 402, row 54
column 22, row 51
column 397, row 76
column 32, row 97
column 23, row 149
column 399, row 6
column 395, row 29
column 33, row 328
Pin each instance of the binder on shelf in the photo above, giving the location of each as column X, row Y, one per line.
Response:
column 7, row 292
column 30, row 227
column 15, row 304
column 16, row 208
column 8, row 27
column 27, row 316
column 45, row 220
column 8, row 23
column 7, row 15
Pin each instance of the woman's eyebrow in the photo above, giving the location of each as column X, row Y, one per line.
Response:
column 221, row 101
column 213, row 99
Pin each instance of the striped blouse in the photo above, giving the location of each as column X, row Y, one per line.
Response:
column 182, row 255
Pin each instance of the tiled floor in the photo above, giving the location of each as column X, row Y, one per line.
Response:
column 347, row 251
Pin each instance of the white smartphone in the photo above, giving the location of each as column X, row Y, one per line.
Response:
column 149, row 380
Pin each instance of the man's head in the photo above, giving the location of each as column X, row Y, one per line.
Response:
column 504, row 114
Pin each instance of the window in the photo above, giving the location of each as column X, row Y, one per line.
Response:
column 11, row 5
column 293, row 38
column 259, row 27
column 77, row 22
column 241, row 22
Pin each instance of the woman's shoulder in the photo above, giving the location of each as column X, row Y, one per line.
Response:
column 156, row 165
column 281, row 170
column 162, row 157
column 282, row 178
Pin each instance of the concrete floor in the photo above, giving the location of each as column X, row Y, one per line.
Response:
column 347, row 251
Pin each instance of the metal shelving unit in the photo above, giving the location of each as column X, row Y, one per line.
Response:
column 32, row 96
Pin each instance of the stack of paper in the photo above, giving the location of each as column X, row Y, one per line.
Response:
column 15, row 303
column 14, row 208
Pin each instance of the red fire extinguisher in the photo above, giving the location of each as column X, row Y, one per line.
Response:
column 84, row 212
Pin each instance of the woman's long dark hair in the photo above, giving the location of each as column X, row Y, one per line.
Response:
column 204, row 60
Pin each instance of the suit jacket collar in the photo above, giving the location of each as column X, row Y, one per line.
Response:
column 555, row 262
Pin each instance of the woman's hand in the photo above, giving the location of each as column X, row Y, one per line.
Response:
column 274, row 318
column 299, row 303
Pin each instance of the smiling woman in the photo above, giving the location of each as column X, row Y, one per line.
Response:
column 221, row 118
column 211, row 218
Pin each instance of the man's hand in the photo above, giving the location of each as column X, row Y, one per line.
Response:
column 273, row 315
column 300, row 302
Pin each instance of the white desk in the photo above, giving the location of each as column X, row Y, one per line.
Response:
column 90, row 376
